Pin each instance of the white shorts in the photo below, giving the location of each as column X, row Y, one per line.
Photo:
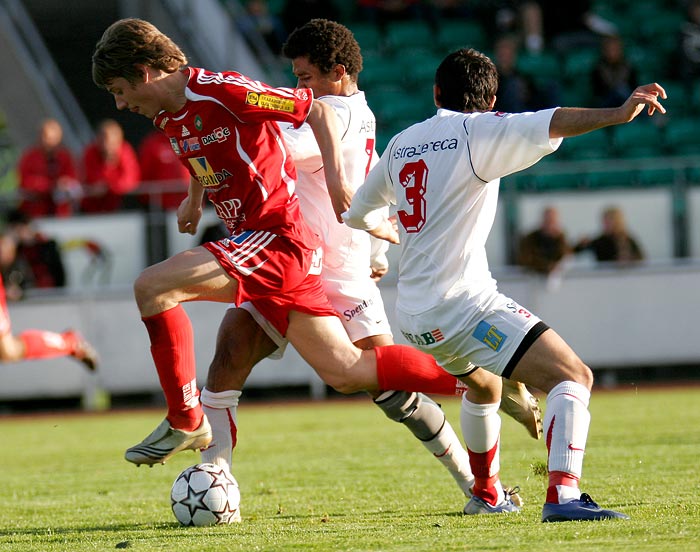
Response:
column 462, row 333
column 358, row 303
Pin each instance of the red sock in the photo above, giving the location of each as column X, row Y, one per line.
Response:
column 403, row 368
column 559, row 478
column 172, row 348
column 484, row 480
column 46, row 344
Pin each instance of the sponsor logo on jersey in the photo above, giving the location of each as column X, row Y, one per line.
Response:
column 190, row 144
column 266, row 101
column 490, row 335
column 198, row 123
column 185, row 132
column 427, row 338
column 163, row 122
column 176, row 148
column 436, row 146
column 351, row 313
column 301, row 94
column 219, row 135
column 205, row 174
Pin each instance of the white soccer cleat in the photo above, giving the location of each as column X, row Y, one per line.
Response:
column 522, row 406
column 511, row 503
column 165, row 441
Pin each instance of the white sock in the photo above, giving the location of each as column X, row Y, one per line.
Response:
column 220, row 409
column 566, row 423
column 481, row 429
column 448, row 449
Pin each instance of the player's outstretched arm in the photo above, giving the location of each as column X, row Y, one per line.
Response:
column 572, row 121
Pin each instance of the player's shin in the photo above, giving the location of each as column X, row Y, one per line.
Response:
column 426, row 420
column 403, row 367
column 566, row 425
column 172, row 348
column 481, row 428
column 220, row 409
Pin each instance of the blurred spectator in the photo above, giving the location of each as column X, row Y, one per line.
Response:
column 29, row 259
column 517, row 92
column 111, row 169
column 543, row 249
column 297, row 12
column 48, row 183
column 689, row 43
column 258, row 19
column 613, row 77
column 573, row 24
column 161, row 173
column 614, row 243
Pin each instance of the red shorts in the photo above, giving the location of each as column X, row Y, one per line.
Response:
column 275, row 274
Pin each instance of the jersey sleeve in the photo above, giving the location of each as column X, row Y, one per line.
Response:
column 521, row 139
column 368, row 208
column 251, row 101
column 302, row 142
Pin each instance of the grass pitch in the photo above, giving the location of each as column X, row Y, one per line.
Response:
column 338, row 475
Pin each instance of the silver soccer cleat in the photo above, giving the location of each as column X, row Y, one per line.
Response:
column 522, row 406
column 165, row 441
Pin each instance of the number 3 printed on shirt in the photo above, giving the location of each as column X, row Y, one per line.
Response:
column 413, row 178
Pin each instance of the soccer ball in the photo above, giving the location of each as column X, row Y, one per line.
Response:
column 205, row 494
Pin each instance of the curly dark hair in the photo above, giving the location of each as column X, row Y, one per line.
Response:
column 467, row 80
column 326, row 44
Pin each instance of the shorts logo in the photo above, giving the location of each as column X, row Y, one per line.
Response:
column 427, row 338
column 267, row 101
column 488, row 334
column 349, row 314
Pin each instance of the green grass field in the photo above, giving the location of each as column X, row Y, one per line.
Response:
column 337, row 475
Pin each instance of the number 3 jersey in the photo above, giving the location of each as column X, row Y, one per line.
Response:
column 443, row 175
column 228, row 138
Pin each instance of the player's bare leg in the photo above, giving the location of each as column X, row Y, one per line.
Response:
column 159, row 291
column 45, row 344
column 552, row 366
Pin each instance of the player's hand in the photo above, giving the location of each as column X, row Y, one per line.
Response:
column 189, row 214
column 386, row 231
column 341, row 197
column 378, row 273
column 644, row 96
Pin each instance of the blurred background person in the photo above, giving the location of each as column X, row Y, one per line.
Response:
column 543, row 249
column 111, row 170
column 163, row 178
column 689, row 46
column 613, row 77
column 614, row 244
column 31, row 260
column 48, row 179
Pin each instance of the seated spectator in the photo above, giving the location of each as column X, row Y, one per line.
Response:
column 111, row 170
column 48, row 184
column 689, row 45
column 613, row 77
column 163, row 177
column 30, row 259
column 543, row 249
column 614, row 244
column 517, row 92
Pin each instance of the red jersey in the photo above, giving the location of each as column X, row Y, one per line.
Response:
column 227, row 136
column 39, row 174
column 121, row 177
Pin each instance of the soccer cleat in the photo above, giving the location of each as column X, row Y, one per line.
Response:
column 522, row 406
column 583, row 509
column 512, row 503
column 83, row 351
column 165, row 441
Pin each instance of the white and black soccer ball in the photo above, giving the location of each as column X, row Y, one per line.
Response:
column 205, row 494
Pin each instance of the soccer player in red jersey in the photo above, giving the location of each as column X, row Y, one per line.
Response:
column 224, row 128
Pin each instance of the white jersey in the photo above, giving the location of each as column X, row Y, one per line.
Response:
column 443, row 174
column 346, row 251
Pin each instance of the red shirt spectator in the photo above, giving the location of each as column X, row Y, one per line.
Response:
column 163, row 176
column 48, row 182
column 111, row 170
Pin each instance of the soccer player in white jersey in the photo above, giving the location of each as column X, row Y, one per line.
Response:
column 326, row 58
column 443, row 175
